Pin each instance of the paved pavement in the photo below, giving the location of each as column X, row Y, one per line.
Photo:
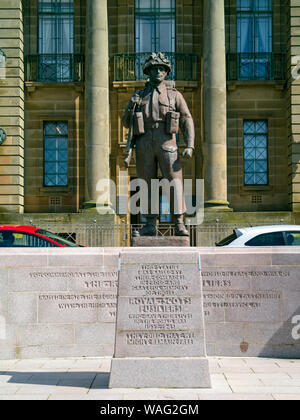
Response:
column 87, row 379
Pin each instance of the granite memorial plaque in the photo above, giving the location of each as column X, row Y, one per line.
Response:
column 160, row 339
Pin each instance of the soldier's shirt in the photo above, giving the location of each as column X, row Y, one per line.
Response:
column 155, row 104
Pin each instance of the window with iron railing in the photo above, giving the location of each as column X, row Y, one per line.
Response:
column 129, row 67
column 154, row 31
column 155, row 24
column 55, row 59
column 253, row 57
column 254, row 38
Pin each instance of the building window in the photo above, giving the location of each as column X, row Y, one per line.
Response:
column 255, row 39
column 154, row 29
column 165, row 215
column 56, row 40
column 155, row 25
column 55, row 154
column 256, row 152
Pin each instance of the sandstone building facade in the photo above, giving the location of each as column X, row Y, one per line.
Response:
column 68, row 68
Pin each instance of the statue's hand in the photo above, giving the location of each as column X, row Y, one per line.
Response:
column 135, row 100
column 188, row 153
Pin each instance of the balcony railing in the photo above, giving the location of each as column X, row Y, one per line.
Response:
column 129, row 67
column 256, row 66
column 54, row 68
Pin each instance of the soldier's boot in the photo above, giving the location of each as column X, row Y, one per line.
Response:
column 150, row 227
column 180, row 229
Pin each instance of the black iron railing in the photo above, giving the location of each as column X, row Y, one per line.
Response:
column 54, row 68
column 256, row 66
column 129, row 67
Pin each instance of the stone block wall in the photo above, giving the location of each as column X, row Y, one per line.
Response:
column 258, row 102
column 53, row 102
column 12, row 107
column 63, row 303
column 293, row 60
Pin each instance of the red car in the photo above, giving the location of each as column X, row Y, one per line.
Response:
column 30, row 236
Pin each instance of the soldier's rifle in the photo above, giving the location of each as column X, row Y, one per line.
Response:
column 130, row 139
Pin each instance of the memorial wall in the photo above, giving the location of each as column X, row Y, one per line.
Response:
column 62, row 303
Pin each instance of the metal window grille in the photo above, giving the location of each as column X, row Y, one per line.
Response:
column 56, row 40
column 55, row 154
column 55, row 201
column 256, row 199
column 130, row 66
column 255, row 152
column 119, row 235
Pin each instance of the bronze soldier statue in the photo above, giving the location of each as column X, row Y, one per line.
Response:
column 156, row 113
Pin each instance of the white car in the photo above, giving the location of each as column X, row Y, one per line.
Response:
column 279, row 235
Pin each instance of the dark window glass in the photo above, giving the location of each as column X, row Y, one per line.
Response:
column 227, row 240
column 255, row 152
column 254, row 38
column 56, row 40
column 267, row 239
column 154, row 31
column 292, row 238
column 56, row 238
column 55, row 154
column 155, row 25
column 165, row 215
column 10, row 239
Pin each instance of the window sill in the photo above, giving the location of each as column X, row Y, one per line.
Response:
column 32, row 86
column 277, row 84
column 250, row 189
column 55, row 190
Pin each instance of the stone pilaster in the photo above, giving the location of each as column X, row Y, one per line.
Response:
column 294, row 106
column 97, row 102
column 215, row 126
column 12, row 107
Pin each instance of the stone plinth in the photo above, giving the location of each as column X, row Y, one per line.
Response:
column 160, row 340
column 160, row 241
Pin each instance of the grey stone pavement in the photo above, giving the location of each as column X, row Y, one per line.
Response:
column 87, row 379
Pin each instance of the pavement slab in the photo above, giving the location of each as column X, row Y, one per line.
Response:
column 88, row 379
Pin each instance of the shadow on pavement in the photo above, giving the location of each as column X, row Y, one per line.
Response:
column 94, row 380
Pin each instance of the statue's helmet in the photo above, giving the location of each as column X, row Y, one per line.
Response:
column 157, row 59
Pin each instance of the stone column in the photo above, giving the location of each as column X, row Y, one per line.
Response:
column 12, row 107
column 215, row 116
column 97, row 103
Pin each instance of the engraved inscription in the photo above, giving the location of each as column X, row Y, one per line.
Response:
column 232, row 289
column 88, row 295
column 250, row 273
column 160, row 338
column 238, row 300
column 159, row 279
column 160, row 307
column 91, row 279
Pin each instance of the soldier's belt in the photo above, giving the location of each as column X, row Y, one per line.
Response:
column 157, row 124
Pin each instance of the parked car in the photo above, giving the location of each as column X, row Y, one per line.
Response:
column 30, row 236
column 281, row 235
